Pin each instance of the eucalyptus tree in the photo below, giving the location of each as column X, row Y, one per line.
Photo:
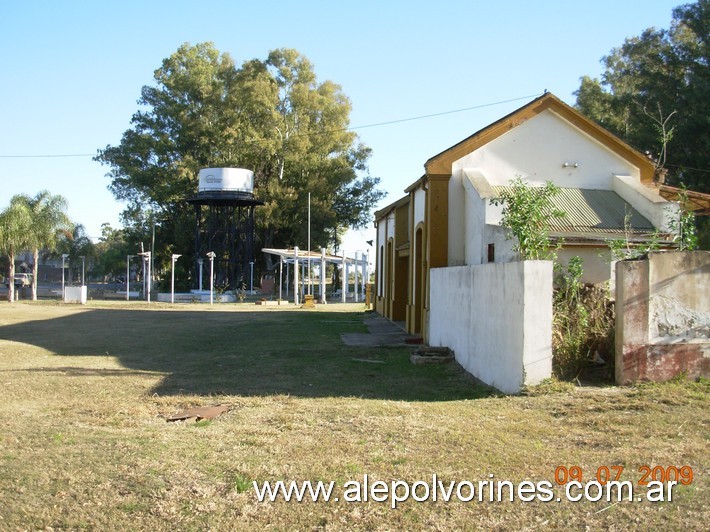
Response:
column 49, row 220
column 271, row 116
column 15, row 226
column 654, row 93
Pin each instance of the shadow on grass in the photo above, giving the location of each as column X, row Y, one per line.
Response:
column 244, row 353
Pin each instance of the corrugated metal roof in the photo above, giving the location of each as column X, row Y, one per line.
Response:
column 594, row 211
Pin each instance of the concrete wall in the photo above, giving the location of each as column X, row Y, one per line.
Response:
column 457, row 213
column 75, row 294
column 663, row 317
column 597, row 263
column 497, row 318
column 651, row 205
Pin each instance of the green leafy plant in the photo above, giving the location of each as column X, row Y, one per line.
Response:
column 527, row 212
column 684, row 227
column 624, row 248
column 583, row 325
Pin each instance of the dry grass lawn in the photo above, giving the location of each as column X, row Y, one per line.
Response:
column 84, row 443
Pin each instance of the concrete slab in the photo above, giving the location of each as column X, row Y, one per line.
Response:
column 382, row 332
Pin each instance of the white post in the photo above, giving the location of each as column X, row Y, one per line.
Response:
column 281, row 274
column 365, row 274
column 322, row 275
column 344, row 280
column 310, row 284
column 288, row 277
column 149, row 270
column 356, row 290
column 64, row 256
column 200, row 261
column 172, row 277
column 295, row 276
column 146, row 267
column 211, row 255
column 128, row 276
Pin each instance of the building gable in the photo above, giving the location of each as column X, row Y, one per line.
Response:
column 441, row 164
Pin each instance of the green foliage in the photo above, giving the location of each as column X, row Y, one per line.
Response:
column 111, row 252
column 49, row 221
column 271, row 116
column 654, row 93
column 583, row 324
column 684, row 227
column 527, row 211
column 77, row 244
column 15, row 234
column 624, row 248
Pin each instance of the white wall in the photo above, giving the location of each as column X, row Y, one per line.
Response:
column 474, row 219
column 652, row 206
column 419, row 200
column 458, row 213
column 385, row 231
column 497, row 318
column 481, row 221
column 536, row 151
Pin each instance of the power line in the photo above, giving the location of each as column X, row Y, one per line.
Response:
column 444, row 112
column 47, row 156
column 378, row 124
column 683, row 167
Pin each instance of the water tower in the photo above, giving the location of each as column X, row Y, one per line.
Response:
column 224, row 214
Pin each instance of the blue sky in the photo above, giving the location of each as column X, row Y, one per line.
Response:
column 73, row 70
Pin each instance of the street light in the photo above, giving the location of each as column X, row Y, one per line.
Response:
column 64, row 257
column 146, row 258
column 172, row 275
column 211, row 256
column 128, row 276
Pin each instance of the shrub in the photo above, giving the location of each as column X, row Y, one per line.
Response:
column 583, row 326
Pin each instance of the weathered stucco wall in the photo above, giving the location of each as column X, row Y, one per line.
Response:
column 663, row 317
column 497, row 318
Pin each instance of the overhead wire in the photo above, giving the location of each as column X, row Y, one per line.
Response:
column 377, row 124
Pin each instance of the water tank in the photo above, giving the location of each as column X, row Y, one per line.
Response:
column 226, row 179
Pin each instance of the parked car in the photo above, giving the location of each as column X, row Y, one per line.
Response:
column 21, row 279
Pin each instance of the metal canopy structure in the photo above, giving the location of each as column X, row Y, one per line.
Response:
column 302, row 259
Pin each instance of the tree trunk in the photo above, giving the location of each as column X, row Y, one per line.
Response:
column 11, row 278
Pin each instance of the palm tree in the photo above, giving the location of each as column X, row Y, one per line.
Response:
column 76, row 244
column 15, row 228
column 49, row 220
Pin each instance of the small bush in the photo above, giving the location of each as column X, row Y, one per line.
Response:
column 583, row 326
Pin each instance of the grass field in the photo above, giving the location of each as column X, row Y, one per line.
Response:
column 84, row 443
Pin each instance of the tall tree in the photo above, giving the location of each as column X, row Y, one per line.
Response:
column 15, row 226
column 271, row 116
column 49, row 220
column 76, row 244
column 111, row 252
column 654, row 93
